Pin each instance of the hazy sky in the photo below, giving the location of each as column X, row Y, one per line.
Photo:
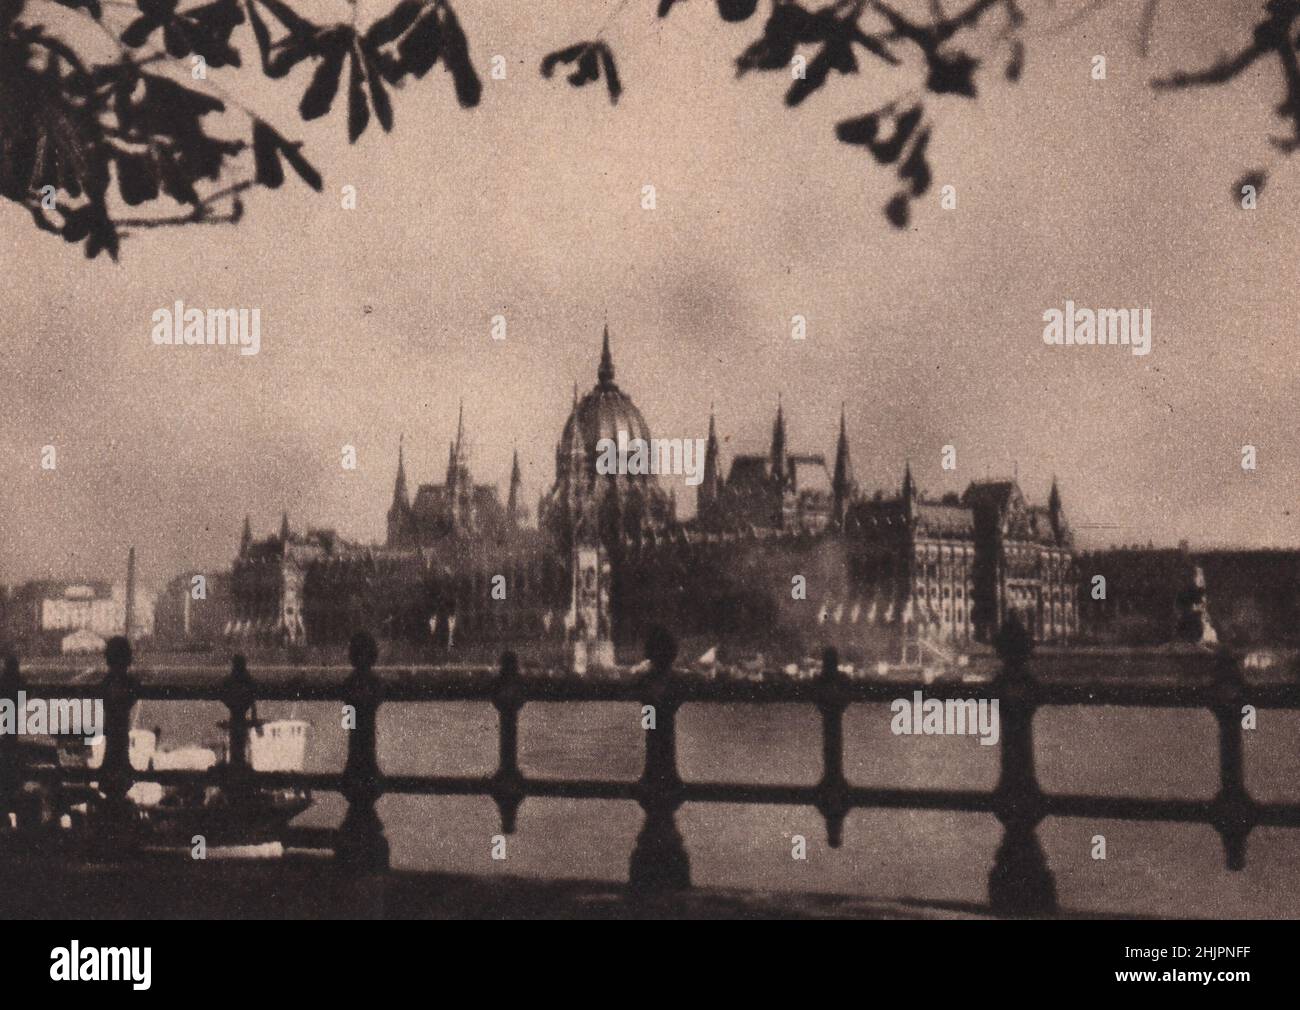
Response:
column 376, row 321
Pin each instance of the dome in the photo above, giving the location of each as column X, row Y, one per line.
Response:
column 620, row 503
column 602, row 413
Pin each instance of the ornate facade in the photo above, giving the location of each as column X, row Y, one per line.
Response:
column 609, row 555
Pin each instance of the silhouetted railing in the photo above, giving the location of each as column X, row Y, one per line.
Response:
column 1020, row 882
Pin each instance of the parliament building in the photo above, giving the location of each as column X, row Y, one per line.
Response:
column 782, row 544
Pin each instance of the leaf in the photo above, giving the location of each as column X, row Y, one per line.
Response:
column 1016, row 65
column 137, row 178
column 952, row 74
column 552, row 60
column 888, row 151
column 860, row 130
column 319, row 96
column 916, row 168
column 455, row 51
column 589, row 60
column 784, row 29
column 418, row 52
column 138, row 31
column 358, row 108
column 286, row 59
column 177, row 40
column 898, row 210
column 306, row 172
column 389, row 28
column 736, row 10
column 587, row 70
column 611, row 74
column 815, row 75
column 375, row 82
column 261, row 33
column 266, row 144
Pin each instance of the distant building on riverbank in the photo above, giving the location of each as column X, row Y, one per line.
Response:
column 1251, row 596
column 39, row 615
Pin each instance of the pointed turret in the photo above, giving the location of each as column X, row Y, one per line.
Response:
column 401, row 500
column 399, row 512
column 460, row 485
column 842, row 485
column 246, row 538
column 910, row 496
column 605, row 373
column 1056, row 514
column 515, row 511
column 284, row 527
column 777, row 458
column 711, row 486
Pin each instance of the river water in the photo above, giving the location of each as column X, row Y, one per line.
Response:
column 1156, row 869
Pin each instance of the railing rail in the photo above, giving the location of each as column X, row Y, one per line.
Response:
column 1020, row 882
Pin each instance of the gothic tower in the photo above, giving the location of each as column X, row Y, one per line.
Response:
column 460, row 486
column 709, row 496
column 911, row 497
column 399, row 513
column 843, row 487
column 516, row 511
column 1056, row 514
column 777, row 457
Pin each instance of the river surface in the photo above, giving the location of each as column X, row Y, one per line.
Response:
column 1156, row 869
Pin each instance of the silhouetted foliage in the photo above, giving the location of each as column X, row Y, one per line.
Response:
column 85, row 138
column 589, row 60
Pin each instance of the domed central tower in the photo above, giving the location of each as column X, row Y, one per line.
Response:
column 613, row 506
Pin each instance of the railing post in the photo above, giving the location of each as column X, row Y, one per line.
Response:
column 1020, row 883
column 508, row 782
column 833, row 790
column 1234, row 810
column 115, row 772
column 361, row 845
column 11, row 776
column 659, row 861
column 237, row 693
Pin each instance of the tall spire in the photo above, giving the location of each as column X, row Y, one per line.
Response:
column 400, row 511
column 400, row 498
column 460, row 427
column 777, row 460
column 842, row 484
column 605, row 374
column 1056, row 514
column 711, row 487
column 514, row 507
column 909, row 487
column 246, row 538
column 284, row 527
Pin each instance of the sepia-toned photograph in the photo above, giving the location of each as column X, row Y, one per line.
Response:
column 650, row 459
